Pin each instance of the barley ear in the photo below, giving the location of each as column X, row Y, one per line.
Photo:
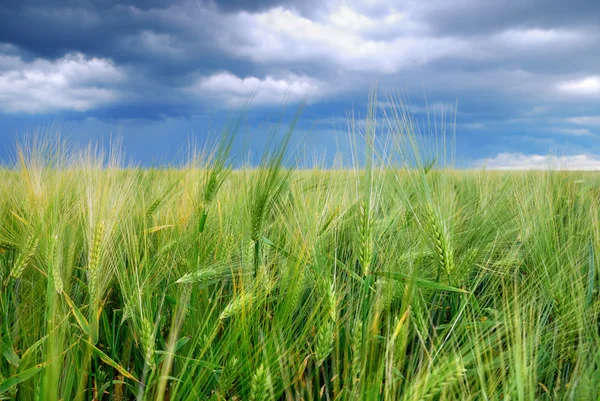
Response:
column 326, row 334
column 236, row 305
column 52, row 258
column 94, row 260
column 356, row 367
column 24, row 257
column 147, row 341
column 440, row 239
column 260, row 387
column 228, row 377
column 325, row 339
column 365, row 235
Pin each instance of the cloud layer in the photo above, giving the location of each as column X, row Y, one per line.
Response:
column 524, row 72
column 73, row 82
column 520, row 161
column 233, row 91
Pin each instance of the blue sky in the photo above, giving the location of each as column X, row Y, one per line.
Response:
column 524, row 74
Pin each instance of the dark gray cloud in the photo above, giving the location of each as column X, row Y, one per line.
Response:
column 50, row 29
column 251, row 6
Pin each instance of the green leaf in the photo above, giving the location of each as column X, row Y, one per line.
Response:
column 349, row 272
column 81, row 320
column 278, row 248
column 31, row 350
column 10, row 356
column 21, row 377
column 106, row 359
column 269, row 242
column 591, row 276
column 182, row 341
column 202, row 221
column 419, row 281
column 329, row 221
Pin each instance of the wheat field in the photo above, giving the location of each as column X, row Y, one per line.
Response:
column 378, row 282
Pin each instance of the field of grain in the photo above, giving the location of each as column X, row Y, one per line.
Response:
column 380, row 282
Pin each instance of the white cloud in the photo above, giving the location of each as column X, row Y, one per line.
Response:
column 585, row 86
column 536, row 110
column 346, row 18
column 73, row 82
column 585, row 120
column 153, row 43
column 233, row 90
column 281, row 35
column 473, row 126
column 538, row 37
column 434, row 109
column 573, row 131
column 9, row 62
column 520, row 161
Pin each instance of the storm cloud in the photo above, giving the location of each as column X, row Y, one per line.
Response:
column 525, row 73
